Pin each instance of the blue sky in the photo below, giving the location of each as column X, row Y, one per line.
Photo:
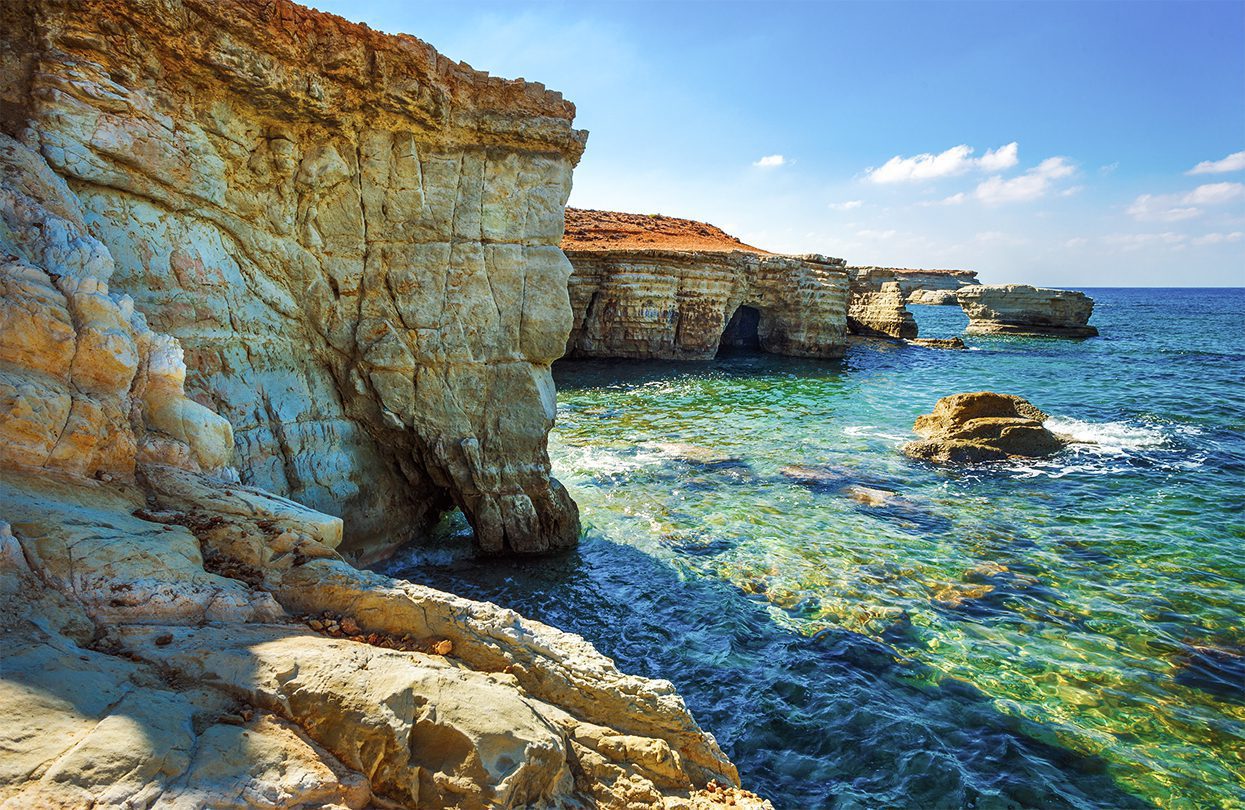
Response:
column 1046, row 142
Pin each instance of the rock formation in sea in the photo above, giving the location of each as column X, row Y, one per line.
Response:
column 982, row 426
column 931, row 286
column 654, row 287
column 273, row 184
column 354, row 238
column 1018, row 309
column 877, row 306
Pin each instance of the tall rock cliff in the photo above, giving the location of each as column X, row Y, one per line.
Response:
column 172, row 638
column 877, row 306
column 354, row 239
column 656, row 287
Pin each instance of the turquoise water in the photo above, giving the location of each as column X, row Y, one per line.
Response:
column 1061, row 633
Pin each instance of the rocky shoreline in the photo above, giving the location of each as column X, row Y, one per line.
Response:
column 279, row 291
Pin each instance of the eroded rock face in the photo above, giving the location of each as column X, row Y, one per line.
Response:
column 354, row 239
column 877, row 306
column 676, row 305
column 983, row 426
column 658, row 287
column 931, row 286
column 937, row 298
column 1018, row 309
column 154, row 651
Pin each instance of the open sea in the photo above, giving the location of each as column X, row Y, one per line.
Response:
column 861, row 630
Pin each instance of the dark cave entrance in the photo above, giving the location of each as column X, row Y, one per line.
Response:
column 741, row 335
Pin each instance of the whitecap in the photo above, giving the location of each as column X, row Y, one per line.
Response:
column 1113, row 438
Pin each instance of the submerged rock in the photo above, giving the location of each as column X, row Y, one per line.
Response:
column 983, row 426
column 938, row 343
column 1019, row 309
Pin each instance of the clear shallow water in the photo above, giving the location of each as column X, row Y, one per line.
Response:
column 1063, row 633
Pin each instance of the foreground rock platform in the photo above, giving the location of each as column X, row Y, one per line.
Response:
column 1019, row 309
column 982, row 426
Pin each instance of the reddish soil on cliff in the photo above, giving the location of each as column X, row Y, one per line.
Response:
column 587, row 229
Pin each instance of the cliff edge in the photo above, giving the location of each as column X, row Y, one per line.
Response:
column 354, row 239
column 174, row 638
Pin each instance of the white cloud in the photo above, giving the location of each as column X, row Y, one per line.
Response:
column 876, row 235
column 954, row 199
column 1076, row 242
column 1218, row 238
column 771, row 161
column 1028, row 186
column 1109, row 168
column 1232, row 163
column 1214, row 193
column 1177, row 207
column 956, row 160
column 847, row 205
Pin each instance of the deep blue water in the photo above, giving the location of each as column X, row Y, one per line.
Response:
column 1063, row 633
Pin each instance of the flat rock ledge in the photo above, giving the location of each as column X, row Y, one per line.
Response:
column 1019, row 309
column 982, row 426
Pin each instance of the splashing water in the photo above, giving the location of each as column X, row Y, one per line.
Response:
column 860, row 630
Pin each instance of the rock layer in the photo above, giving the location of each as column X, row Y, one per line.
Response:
column 1018, row 309
column 152, row 609
column 673, row 305
column 354, row 238
column 674, row 289
column 925, row 286
column 877, row 306
column 983, row 426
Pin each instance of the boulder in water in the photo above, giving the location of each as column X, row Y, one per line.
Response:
column 982, row 426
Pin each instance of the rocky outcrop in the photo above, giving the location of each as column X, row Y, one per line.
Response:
column 697, row 292
column 984, row 426
column 937, row 298
column 154, row 613
column 931, row 286
column 354, row 239
column 877, row 306
column 1018, row 309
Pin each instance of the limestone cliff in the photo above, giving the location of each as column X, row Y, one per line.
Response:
column 174, row 639
column 920, row 283
column 653, row 287
column 1024, row 310
column 354, row 239
column 877, row 306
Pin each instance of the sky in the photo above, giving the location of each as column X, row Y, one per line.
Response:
column 1066, row 144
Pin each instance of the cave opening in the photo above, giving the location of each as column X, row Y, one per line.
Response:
column 742, row 335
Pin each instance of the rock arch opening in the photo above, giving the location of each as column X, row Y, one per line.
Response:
column 742, row 333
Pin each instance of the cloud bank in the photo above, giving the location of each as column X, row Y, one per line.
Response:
column 956, row 160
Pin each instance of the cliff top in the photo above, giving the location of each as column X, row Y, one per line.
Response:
column 931, row 271
column 588, row 229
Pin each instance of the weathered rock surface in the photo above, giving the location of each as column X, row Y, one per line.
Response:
column 931, row 286
column 877, row 306
column 153, row 654
column 666, row 288
column 354, row 238
column 983, row 426
column 938, row 343
column 1018, row 309
column 937, row 298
